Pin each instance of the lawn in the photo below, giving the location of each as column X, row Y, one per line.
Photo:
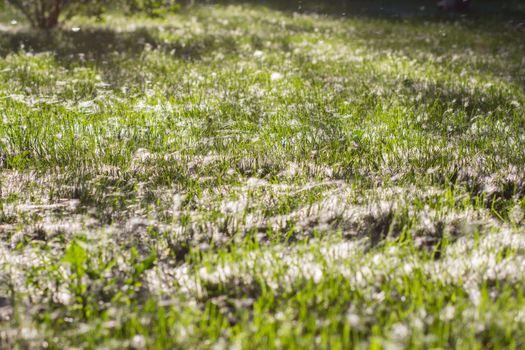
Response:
column 243, row 177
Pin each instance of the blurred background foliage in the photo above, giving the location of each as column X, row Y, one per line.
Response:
column 46, row 14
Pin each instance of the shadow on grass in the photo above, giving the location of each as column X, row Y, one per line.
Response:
column 392, row 9
column 472, row 102
column 99, row 45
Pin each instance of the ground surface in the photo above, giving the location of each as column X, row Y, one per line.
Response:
column 236, row 176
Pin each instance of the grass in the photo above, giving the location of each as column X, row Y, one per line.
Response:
column 236, row 176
